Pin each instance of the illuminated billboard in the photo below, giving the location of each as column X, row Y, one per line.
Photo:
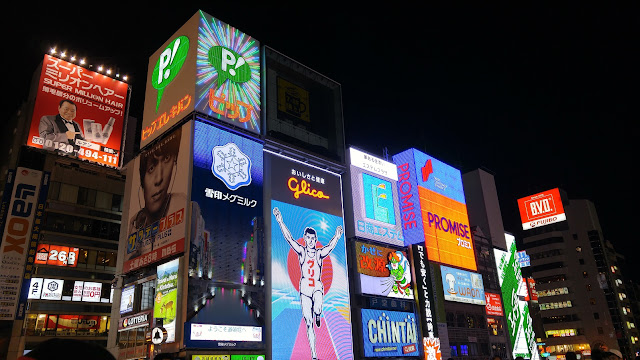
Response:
column 389, row 333
column 207, row 66
column 158, row 206
column 310, row 289
column 462, row 286
column 127, row 298
column 166, row 297
column 226, row 245
column 78, row 112
column 433, row 209
column 383, row 271
column 520, row 325
column 16, row 238
column 541, row 209
column 494, row 304
column 375, row 198
column 56, row 255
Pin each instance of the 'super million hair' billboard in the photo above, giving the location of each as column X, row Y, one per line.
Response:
column 433, row 209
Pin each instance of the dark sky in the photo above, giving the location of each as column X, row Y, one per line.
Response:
column 543, row 96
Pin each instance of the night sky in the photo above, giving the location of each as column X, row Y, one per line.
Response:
column 542, row 96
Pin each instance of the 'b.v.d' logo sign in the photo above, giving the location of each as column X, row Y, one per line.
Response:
column 231, row 166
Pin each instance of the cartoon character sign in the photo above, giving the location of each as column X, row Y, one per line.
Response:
column 384, row 271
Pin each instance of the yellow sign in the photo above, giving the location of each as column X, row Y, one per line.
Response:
column 293, row 100
column 210, row 357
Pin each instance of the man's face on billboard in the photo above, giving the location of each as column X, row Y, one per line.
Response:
column 156, row 182
column 67, row 111
column 310, row 240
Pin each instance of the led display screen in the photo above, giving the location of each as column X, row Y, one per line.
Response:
column 166, row 297
column 310, row 289
column 158, row 206
column 384, row 271
column 433, row 209
column 226, row 241
column 78, row 113
column 541, row 209
column 228, row 73
column 516, row 311
column 389, row 333
column 56, row 255
column 462, row 286
column 15, row 238
column 375, row 198
column 207, row 66
column 127, row 299
column 494, row 304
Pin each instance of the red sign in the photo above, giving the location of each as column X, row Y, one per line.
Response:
column 56, row 255
column 78, row 112
column 531, row 289
column 494, row 305
column 541, row 209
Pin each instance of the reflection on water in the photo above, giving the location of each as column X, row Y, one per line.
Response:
column 231, row 307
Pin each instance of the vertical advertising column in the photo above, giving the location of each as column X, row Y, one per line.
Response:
column 16, row 238
column 225, row 306
column 158, row 205
column 516, row 310
column 310, row 290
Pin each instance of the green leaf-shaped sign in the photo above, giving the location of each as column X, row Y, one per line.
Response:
column 169, row 65
column 229, row 64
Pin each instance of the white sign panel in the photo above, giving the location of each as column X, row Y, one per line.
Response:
column 225, row 332
column 91, row 291
column 35, row 288
column 52, row 289
column 15, row 244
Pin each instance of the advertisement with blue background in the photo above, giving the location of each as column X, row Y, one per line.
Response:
column 462, row 286
column 389, row 333
column 375, row 198
column 310, row 289
column 409, row 199
column 226, row 218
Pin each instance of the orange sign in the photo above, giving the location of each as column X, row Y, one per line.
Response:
column 56, row 255
column 431, row 348
column 446, row 230
column 541, row 209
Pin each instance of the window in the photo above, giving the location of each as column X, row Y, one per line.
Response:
column 585, row 274
column 581, row 261
column 68, row 193
column 464, row 350
column 148, row 294
column 575, row 236
column 588, row 287
column 454, row 350
column 596, row 315
column 600, row 330
column 578, row 249
column 86, row 197
column 103, row 200
column 592, row 301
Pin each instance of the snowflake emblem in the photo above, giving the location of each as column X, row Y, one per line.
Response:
column 231, row 166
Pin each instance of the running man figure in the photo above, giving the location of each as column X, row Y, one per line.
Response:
column 311, row 287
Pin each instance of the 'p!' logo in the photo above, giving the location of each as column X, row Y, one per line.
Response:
column 230, row 65
column 169, row 65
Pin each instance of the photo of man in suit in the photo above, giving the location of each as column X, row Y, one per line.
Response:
column 61, row 128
